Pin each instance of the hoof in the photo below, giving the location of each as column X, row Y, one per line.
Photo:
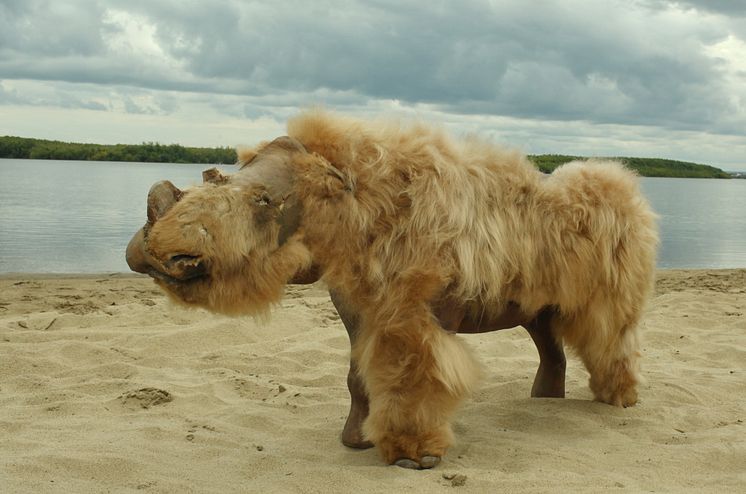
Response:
column 549, row 384
column 356, row 443
column 425, row 463
column 352, row 434
column 407, row 463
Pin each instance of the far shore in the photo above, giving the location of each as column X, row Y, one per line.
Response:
column 152, row 152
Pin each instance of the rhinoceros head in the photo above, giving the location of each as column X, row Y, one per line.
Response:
column 231, row 244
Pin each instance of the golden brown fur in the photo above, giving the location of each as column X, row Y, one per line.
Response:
column 397, row 216
column 415, row 213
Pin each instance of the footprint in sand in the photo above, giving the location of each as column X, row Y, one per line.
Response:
column 145, row 398
column 79, row 309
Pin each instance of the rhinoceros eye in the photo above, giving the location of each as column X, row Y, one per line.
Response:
column 263, row 199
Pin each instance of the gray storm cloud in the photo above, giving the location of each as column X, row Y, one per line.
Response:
column 669, row 65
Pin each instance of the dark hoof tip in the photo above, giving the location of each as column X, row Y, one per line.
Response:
column 407, row 463
column 425, row 463
column 357, row 444
column 429, row 461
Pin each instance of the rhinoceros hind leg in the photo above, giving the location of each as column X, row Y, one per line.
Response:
column 550, row 377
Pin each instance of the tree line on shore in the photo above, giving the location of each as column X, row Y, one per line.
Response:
column 647, row 167
column 147, row 152
column 152, row 152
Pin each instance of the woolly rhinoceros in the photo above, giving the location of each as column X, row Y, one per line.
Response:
column 419, row 236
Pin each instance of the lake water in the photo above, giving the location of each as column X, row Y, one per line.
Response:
column 77, row 216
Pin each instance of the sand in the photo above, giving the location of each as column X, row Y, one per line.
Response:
column 107, row 387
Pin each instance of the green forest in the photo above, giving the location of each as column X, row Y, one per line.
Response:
column 148, row 152
column 24, row 148
column 647, row 167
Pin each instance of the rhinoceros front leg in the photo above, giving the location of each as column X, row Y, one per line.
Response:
column 415, row 373
column 352, row 434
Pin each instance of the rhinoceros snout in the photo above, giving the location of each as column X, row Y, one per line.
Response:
column 136, row 259
column 161, row 197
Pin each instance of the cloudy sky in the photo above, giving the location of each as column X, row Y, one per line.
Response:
column 591, row 77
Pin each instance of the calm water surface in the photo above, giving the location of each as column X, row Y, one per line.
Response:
column 77, row 216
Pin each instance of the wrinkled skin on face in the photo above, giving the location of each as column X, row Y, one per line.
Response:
column 228, row 245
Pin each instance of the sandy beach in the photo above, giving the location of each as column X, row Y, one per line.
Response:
column 105, row 386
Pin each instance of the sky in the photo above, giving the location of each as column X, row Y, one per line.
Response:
column 649, row 78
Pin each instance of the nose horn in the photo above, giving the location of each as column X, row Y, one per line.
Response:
column 162, row 196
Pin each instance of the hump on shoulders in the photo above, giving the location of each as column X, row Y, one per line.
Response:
column 597, row 182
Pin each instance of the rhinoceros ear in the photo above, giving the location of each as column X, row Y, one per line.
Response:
column 246, row 155
column 162, row 196
column 323, row 177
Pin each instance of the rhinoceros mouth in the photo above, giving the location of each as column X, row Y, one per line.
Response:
column 171, row 280
column 178, row 268
column 181, row 269
column 185, row 258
